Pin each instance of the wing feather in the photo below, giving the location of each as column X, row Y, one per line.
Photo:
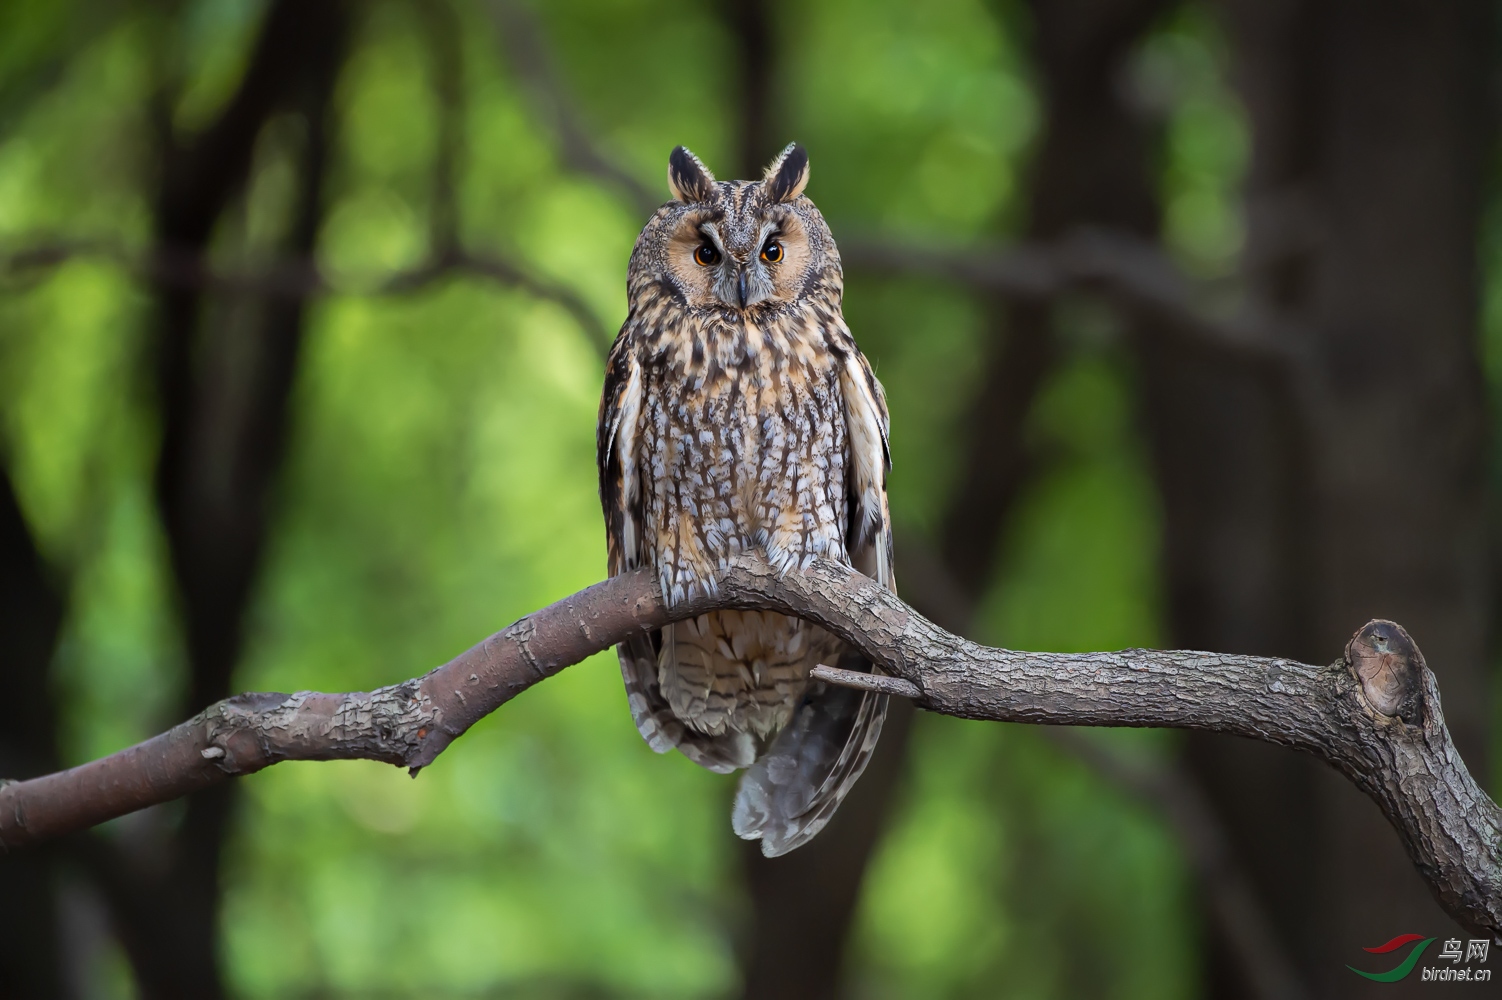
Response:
column 617, row 445
column 870, row 458
column 616, row 450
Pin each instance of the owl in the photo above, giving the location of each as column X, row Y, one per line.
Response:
column 738, row 415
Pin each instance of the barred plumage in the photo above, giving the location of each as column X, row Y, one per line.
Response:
column 739, row 414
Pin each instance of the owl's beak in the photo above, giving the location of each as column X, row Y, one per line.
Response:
column 740, row 287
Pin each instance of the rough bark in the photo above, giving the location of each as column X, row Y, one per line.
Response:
column 1374, row 714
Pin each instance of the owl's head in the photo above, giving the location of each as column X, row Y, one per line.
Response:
column 736, row 246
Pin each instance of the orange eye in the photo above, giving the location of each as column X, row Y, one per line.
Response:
column 706, row 255
column 772, row 252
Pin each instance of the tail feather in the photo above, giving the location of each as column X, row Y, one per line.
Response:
column 792, row 790
column 663, row 730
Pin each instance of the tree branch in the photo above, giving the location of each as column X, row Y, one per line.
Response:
column 1228, row 893
column 1374, row 714
column 1132, row 271
column 175, row 267
column 526, row 48
column 1129, row 269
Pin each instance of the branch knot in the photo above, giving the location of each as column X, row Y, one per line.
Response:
column 1390, row 669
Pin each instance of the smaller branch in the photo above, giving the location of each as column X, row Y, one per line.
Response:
column 880, row 683
column 1125, row 267
column 299, row 279
column 503, row 271
column 526, row 48
column 1232, row 900
column 1128, row 269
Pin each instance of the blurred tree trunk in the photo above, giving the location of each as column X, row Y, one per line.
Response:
column 30, row 616
column 802, row 904
column 1288, row 526
column 225, row 368
column 750, row 25
column 1091, row 168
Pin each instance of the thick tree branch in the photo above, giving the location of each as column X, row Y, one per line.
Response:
column 1374, row 714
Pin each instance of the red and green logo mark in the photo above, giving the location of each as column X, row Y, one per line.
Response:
column 1403, row 968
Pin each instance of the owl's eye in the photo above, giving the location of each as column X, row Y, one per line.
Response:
column 706, row 255
column 772, row 252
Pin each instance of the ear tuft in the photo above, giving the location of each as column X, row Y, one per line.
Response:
column 688, row 178
column 787, row 175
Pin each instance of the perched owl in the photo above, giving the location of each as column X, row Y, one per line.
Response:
column 738, row 414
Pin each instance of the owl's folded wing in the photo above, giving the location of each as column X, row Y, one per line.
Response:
column 617, row 444
column 870, row 457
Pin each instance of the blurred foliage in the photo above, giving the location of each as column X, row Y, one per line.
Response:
column 441, row 484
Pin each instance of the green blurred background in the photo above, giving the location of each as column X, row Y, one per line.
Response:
column 436, row 476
